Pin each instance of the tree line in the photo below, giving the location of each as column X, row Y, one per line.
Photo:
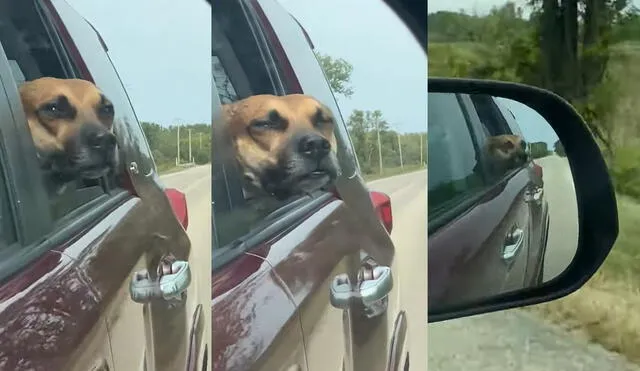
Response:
column 380, row 149
column 586, row 51
column 163, row 142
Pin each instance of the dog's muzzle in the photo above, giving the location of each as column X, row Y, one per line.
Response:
column 92, row 153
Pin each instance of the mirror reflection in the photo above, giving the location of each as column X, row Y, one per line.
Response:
column 502, row 205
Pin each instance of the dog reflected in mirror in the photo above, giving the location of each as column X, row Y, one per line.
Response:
column 506, row 152
column 71, row 123
column 284, row 145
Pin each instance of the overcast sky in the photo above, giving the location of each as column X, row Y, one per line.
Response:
column 389, row 66
column 162, row 50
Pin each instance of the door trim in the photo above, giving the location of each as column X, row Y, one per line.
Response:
column 398, row 341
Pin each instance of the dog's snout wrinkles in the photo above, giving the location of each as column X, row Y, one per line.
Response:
column 314, row 146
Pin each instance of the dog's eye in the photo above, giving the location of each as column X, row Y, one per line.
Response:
column 51, row 107
column 265, row 125
column 107, row 109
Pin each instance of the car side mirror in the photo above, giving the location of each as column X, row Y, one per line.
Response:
column 521, row 206
column 178, row 203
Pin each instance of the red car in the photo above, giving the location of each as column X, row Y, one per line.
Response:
column 487, row 233
column 77, row 266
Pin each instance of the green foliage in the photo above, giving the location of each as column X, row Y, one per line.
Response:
column 539, row 149
column 591, row 59
column 625, row 171
column 164, row 147
column 363, row 129
column 558, row 148
column 338, row 72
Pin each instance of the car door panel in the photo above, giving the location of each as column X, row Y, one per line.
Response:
column 255, row 323
column 328, row 242
column 468, row 266
column 131, row 241
column 49, row 319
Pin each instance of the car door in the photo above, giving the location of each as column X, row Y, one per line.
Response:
column 338, row 234
column 467, row 262
column 141, row 240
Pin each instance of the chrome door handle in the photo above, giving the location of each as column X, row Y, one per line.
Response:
column 512, row 243
column 172, row 281
column 533, row 195
column 373, row 290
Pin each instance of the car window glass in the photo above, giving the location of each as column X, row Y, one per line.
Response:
column 454, row 167
column 78, row 160
column 490, row 115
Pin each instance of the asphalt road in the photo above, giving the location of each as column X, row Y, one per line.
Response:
column 517, row 340
column 563, row 213
column 195, row 183
column 409, row 234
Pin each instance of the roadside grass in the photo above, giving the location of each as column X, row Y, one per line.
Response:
column 164, row 169
column 607, row 309
column 393, row 171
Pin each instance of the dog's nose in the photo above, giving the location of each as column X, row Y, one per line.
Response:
column 314, row 146
column 100, row 139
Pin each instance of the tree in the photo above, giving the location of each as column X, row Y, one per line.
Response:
column 539, row 149
column 338, row 73
column 559, row 149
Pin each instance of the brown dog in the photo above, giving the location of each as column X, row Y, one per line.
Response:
column 71, row 123
column 285, row 145
column 506, row 152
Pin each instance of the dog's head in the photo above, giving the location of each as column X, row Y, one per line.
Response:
column 285, row 145
column 507, row 151
column 71, row 123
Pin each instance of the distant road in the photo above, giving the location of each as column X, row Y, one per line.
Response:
column 563, row 213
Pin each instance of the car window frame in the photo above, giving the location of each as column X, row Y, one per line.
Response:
column 289, row 214
column 85, row 197
column 466, row 202
column 476, row 118
column 459, row 205
column 36, row 231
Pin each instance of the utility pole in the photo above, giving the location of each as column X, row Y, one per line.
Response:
column 421, row 161
column 178, row 154
column 377, row 121
column 400, row 149
column 190, row 158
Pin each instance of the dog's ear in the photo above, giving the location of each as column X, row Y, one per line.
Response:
column 228, row 111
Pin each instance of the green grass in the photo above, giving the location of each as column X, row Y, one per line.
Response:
column 606, row 310
column 441, row 54
column 392, row 171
